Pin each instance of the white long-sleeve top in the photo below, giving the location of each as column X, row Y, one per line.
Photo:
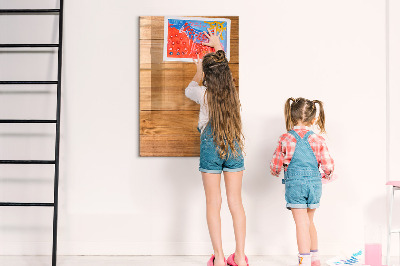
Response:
column 196, row 93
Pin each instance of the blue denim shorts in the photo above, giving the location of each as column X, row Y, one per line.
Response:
column 210, row 160
column 303, row 193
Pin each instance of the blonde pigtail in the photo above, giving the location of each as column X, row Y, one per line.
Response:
column 288, row 114
column 321, row 116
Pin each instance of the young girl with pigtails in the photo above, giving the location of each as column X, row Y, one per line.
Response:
column 221, row 147
column 302, row 154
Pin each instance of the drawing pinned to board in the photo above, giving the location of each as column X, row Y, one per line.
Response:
column 183, row 37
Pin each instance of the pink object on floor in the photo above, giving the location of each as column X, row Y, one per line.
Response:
column 333, row 178
column 393, row 183
column 231, row 260
column 373, row 254
column 211, row 261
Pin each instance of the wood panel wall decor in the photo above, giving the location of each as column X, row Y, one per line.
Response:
column 168, row 120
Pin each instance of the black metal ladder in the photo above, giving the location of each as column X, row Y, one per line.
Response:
column 57, row 82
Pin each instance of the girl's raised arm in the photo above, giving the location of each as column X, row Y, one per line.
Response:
column 199, row 73
column 194, row 91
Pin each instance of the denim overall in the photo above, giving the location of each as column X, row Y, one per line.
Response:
column 302, row 181
column 211, row 162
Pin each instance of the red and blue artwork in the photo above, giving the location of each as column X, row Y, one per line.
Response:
column 183, row 37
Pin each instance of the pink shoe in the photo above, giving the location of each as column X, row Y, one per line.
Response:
column 316, row 263
column 231, row 260
column 211, row 261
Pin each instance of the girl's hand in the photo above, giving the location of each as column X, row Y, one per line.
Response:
column 199, row 64
column 199, row 73
column 213, row 39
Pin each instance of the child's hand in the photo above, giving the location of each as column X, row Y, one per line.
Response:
column 273, row 173
column 199, row 74
column 199, row 64
column 326, row 180
column 213, row 39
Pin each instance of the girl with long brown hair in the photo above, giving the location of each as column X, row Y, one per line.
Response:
column 302, row 153
column 221, row 147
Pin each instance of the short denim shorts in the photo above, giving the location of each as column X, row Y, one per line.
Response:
column 210, row 160
column 303, row 193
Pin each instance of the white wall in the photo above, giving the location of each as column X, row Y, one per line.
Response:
column 114, row 202
column 393, row 109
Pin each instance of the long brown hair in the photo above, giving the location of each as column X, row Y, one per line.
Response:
column 303, row 110
column 223, row 104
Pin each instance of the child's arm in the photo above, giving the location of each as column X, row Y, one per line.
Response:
column 199, row 73
column 194, row 91
column 327, row 163
column 213, row 39
column 277, row 159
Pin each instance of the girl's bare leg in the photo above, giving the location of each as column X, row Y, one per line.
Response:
column 233, row 183
column 302, row 221
column 212, row 188
column 313, row 230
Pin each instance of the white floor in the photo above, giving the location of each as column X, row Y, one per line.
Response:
column 142, row 260
column 135, row 260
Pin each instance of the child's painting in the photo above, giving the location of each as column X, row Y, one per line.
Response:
column 183, row 37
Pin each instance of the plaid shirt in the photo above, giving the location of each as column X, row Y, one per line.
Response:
column 287, row 144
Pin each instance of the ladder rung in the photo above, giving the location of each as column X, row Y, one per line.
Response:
column 27, row 161
column 27, row 121
column 29, row 82
column 33, row 45
column 6, row 11
column 29, row 204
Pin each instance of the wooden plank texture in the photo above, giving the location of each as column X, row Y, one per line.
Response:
column 162, row 98
column 168, row 120
column 169, row 146
column 169, row 133
column 169, row 123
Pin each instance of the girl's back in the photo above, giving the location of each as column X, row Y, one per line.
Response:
column 287, row 146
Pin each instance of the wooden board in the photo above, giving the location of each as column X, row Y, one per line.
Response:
column 168, row 120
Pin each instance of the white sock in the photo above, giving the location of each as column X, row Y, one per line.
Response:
column 314, row 255
column 305, row 260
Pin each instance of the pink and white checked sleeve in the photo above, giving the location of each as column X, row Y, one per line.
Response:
column 278, row 157
column 326, row 162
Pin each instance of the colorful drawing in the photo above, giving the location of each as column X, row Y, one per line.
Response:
column 183, row 37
